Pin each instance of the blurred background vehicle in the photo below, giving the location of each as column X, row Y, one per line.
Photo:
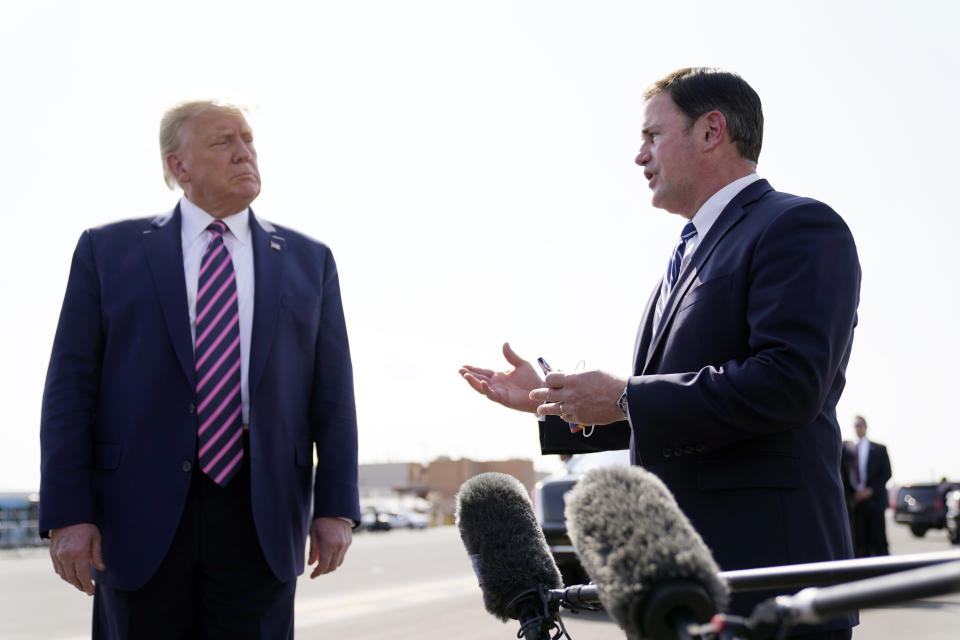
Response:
column 374, row 519
column 922, row 506
column 549, row 501
column 19, row 513
column 952, row 517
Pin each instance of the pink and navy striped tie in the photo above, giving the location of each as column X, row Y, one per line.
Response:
column 217, row 352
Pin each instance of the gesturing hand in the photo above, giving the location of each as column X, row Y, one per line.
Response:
column 588, row 397
column 509, row 388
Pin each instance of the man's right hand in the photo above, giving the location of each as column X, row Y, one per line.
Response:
column 73, row 549
column 509, row 388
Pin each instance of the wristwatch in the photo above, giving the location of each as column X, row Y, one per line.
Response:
column 622, row 403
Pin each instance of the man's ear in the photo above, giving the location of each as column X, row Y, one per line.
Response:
column 175, row 165
column 714, row 128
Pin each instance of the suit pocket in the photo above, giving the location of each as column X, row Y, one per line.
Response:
column 300, row 302
column 303, row 312
column 303, row 454
column 106, row 455
column 749, row 472
column 707, row 289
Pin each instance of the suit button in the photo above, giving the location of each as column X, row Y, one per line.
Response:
column 186, row 465
column 191, row 409
column 678, row 452
column 667, row 453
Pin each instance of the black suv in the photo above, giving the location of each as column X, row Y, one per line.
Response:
column 549, row 499
column 921, row 507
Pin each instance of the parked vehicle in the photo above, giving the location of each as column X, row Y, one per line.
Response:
column 549, row 500
column 922, row 507
column 407, row 520
column 953, row 516
column 373, row 519
column 19, row 513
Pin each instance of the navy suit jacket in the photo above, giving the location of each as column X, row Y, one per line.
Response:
column 119, row 426
column 878, row 471
column 732, row 402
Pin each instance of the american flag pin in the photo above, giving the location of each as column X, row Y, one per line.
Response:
column 275, row 245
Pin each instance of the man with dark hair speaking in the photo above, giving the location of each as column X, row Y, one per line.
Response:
column 740, row 356
column 200, row 361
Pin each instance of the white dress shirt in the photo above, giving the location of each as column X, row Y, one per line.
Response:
column 238, row 241
column 863, row 451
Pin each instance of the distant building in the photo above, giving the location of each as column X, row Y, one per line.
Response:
column 436, row 483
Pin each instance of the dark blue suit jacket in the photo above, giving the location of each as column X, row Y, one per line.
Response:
column 118, row 426
column 732, row 403
column 878, row 471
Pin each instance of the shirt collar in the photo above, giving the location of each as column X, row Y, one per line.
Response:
column 715, row 204
column 194, row 221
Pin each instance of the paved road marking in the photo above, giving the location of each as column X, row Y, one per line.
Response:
column 321, row 610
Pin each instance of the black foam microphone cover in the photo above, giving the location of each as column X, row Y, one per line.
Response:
column 648, row 562
column 500, row 532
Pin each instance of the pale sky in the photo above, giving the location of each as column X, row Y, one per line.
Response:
column 471, row 166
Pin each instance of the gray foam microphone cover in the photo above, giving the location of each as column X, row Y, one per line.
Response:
column 500, row 532
column 632, row 537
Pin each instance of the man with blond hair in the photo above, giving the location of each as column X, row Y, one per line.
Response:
column 200, row 362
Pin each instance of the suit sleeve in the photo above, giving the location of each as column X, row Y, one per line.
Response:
column 555, row 437
column 802, row 278
column 70, row 400
column 333, row 410
column 885, row 472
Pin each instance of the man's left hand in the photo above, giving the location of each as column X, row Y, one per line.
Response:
column 584, row 398
column 329, row 540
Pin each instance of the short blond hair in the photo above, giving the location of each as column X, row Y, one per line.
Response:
column 171, row 127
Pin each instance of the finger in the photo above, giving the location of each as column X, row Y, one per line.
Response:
column 477, row 371
column 312, row 553
column 68, row 572
column 96, row 554
column 323, row 562
column 556, row 379
column 474, row 382
column 84, row 580
column 549, row 395
column 490, row 392
column 512, row 356
column 549, row 409
column 338, row 560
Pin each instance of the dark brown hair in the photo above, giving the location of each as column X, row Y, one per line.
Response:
column 699, row 90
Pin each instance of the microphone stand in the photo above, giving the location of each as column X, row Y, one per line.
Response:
column 796, row 576
column 815, row 605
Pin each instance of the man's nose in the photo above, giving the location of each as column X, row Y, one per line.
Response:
column 242, row 151
column 643, row 157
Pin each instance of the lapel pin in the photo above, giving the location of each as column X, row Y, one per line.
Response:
column 275, row 245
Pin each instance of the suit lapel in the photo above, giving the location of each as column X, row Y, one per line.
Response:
column 268, row 256
column 727, row 219
column 164, row 250
column 642, row 344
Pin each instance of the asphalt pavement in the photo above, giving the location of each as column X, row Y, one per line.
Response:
column 412, row 585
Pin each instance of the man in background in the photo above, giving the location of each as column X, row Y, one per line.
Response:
column 868, row 466
column 200, row 359
column 740, row 356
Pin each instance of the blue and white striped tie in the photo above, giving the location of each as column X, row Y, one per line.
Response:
column 673, row 270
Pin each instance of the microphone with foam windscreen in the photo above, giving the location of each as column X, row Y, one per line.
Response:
column 510, row 556
column 654, row 574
